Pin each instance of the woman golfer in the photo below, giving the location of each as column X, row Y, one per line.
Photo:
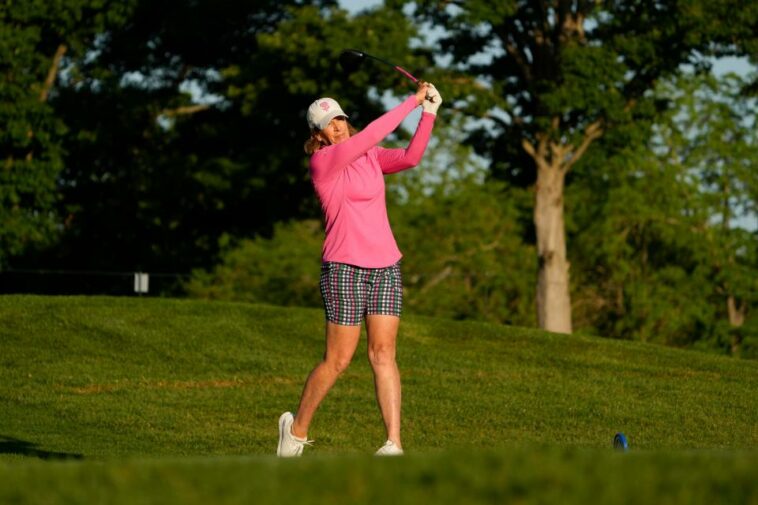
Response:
column 360, row 273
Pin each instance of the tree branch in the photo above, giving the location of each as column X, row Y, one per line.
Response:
column 441, row 276
column 513, row 51
column 539, row 155
column 529, row 148
column 185, row 110
column 52, row 73
column 558, row 155
column 592, row 132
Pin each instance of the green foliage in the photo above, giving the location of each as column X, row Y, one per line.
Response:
column 32, row 136
column 636, row 276
column 660, row 243
column 176, row 126
column 748, row 335
column 461, row 235
column 647, row 260
column 196, row 121
column 524, row 475
column 553, row 68
column 464, row 254
column 29, row 136
column 283, row 270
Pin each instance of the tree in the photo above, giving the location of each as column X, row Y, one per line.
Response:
column 662, row 247
column 188, row 123
column 36, row 41
column 718, row 143
column 552, row 77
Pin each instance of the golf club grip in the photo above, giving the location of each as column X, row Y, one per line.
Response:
column 409, row 76
column 406, row 73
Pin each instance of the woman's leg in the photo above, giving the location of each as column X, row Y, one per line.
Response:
column 382, row 337
column 341, row 342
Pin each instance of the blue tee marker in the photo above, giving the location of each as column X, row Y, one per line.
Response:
column 620, row 443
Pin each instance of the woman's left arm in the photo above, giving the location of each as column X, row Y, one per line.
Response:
column 396, row 160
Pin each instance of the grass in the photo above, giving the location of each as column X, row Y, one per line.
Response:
column 123, row 400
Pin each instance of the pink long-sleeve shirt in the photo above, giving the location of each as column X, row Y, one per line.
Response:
column 349, row 181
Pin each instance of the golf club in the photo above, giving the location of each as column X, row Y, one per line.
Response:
column 351, row 59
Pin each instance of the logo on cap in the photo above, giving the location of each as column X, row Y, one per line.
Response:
column 324, row 106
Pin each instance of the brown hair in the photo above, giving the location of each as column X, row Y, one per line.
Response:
column 316, row 141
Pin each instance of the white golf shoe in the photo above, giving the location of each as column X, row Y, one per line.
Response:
column 290, row 446
column 389, row 449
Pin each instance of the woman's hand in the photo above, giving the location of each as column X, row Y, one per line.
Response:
column 423, row 89
column 433, row 100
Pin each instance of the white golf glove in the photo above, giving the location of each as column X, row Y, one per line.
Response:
column 433, row 100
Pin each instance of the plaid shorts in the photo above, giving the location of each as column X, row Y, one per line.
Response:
column 350, row 293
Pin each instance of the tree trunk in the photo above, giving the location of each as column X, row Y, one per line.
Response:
column 737, row 312
column 553, row 298
column 553, row 161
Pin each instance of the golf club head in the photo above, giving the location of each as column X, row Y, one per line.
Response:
column 351, row 60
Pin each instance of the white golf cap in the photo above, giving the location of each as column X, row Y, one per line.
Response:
column 322, row 111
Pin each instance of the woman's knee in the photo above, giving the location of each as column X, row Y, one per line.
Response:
column 338, row 364
column 381, row 356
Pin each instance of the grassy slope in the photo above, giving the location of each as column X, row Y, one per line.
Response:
column 111, row 378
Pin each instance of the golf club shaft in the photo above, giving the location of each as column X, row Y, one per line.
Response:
column 360, row 54
column 396, row 67
column 399, row 69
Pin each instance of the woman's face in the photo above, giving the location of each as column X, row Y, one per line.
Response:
column 336, row 131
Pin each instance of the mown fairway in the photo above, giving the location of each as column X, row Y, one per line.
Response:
column 117, row 400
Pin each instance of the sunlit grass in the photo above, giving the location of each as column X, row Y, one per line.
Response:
column 111, row 384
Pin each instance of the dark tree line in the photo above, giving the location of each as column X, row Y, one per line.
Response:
column 161, row 136
column 176, row 122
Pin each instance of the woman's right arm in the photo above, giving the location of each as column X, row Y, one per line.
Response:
column 330, row 160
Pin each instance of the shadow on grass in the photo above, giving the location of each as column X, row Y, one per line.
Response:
column 10, row 445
